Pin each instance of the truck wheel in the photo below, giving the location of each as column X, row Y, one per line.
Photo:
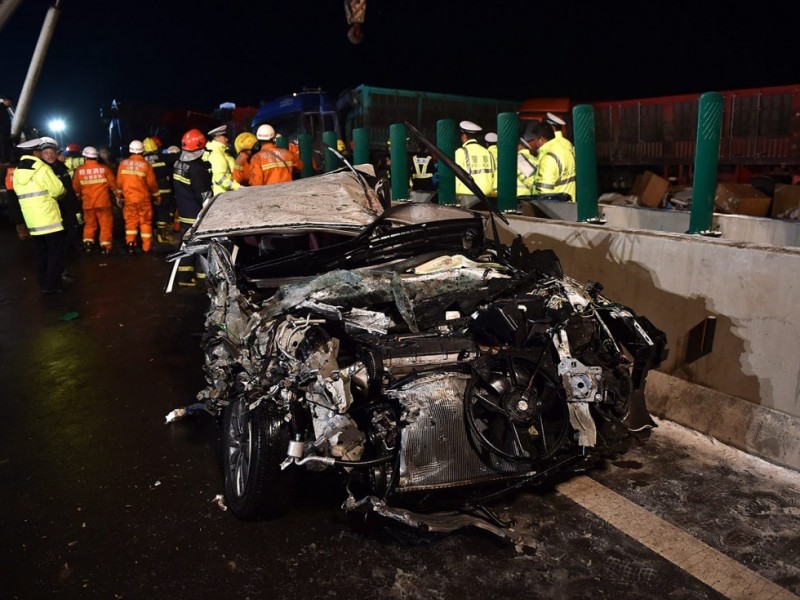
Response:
column 254, row 444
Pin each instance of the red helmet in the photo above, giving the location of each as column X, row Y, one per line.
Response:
column 73, row 148
column 193, row 140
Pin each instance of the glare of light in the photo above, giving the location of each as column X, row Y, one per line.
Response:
column 57, row 125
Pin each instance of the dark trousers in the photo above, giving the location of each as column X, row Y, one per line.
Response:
column 48, row 252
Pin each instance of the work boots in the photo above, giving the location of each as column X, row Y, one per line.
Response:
column 164, row 236
column 131, row 247
column 88, row 247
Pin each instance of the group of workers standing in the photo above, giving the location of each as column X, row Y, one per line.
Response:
column 63, row 199
column 545, row 161
column 164, row 191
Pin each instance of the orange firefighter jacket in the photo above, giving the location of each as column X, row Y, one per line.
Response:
column 241, row 168
column 136, row 180
column 273, row 165
column 92, row 183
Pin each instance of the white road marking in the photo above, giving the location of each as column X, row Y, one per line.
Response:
column 701, row 561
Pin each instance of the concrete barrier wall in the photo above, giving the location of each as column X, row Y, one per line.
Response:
column 677, row 281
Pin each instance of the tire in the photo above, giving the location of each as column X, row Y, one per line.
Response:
column 254, row 443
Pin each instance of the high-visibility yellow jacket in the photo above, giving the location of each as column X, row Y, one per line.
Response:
column 555, row 172
column 38, row 190
column 493, row 151
column 478, row 162
column 222, row 165
column 526, row 171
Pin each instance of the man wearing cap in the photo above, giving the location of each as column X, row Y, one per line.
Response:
column 475, row 160
column 526, row 166
column 222, row 163
column 558, row 123
column 70, row 206
column 38, row 190
column 94, row 184
column 490, row 140
column 555, row 172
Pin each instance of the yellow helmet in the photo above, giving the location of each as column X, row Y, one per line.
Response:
column 150, row 145
column 244, row 141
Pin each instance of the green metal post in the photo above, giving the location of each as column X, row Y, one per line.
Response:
column 709, row 131
column 507, row 140
column 360, row 146
column 585, row 163
column 446, row 141
column 306, row 154
column 330, row 160
column 282, row 142
column 399, row 156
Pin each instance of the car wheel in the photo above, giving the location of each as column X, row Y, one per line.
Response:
column 254, row 445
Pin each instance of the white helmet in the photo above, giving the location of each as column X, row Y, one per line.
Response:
column 265, row 133
column 136, row 147
column 89, row 152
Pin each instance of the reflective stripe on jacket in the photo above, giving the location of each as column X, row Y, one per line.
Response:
column 526, row 171
column 221, row 168
column 556, row 170
column 136, row 179
column 273, row 165
column 38, row 190
column 479, row 163
column 94, row 183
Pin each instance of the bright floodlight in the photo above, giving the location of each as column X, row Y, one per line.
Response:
column 57, row 125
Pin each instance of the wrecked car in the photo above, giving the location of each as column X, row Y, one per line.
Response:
column 433, row 366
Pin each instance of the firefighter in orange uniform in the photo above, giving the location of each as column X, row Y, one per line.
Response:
column 243, row 144
column 94, row 183
column 136, row 182
column 272, row 164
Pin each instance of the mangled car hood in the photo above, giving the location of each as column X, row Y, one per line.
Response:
column 335, row 201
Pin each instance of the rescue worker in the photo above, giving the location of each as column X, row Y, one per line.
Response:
column 94, row 185
column 221, row 161
column 73, row 158
column 191, row 182
column 555, row 172
column 38, row 190
column 12, row 203
column 243, row 144
column 558, row 123
column 526, row 167
column 475, row 160
column 423, row 176
column 272, row 164
column 136, row 183
column 490, row 140
column 69, row 204
column 163, row 173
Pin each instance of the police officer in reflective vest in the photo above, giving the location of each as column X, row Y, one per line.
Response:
column 423, row 176
column 38, row 190
column 475, row 160
column 555, row 172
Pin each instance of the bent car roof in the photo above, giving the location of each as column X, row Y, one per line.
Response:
column 334, row 200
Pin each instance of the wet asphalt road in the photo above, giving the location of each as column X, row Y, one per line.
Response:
column 101, row 499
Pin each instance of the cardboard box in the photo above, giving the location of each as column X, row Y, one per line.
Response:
column 786, row 203
column 650, row 189
column 741, row 199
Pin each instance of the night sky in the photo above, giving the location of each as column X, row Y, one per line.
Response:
column 195, row 55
